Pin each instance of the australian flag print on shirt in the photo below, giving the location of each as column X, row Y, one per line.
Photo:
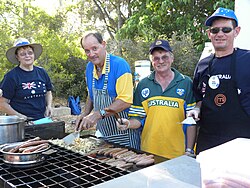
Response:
column 34, row 90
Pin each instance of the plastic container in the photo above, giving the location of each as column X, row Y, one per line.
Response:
column 226, row 165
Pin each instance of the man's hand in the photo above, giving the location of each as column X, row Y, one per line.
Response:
column 195, row 113
column 123, row 124
column 85, row 122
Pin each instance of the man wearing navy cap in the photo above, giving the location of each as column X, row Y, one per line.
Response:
column 221, row 85
column 159, row 105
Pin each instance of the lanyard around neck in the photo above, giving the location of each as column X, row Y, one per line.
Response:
column 105, row 85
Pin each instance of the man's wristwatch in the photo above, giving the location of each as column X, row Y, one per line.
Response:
column 103, row 113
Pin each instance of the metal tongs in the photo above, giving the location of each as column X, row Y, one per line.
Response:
column 117, row 116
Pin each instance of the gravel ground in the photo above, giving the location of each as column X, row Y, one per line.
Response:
column 69, row 126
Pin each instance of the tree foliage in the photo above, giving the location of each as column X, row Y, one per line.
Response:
column 61, row 55
column 129, row 25
column 109, row 16
column 185, row 54
column 152, row 18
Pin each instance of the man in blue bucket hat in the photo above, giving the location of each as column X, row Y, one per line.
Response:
column 221, row 85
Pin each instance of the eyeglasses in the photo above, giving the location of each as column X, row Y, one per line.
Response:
column 163, row 58
column 29, row 53
column 216, row 30
column 93, row 50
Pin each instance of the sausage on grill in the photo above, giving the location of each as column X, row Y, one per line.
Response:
column 36, row 148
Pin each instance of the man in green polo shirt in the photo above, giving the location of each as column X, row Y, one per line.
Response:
column 160, row 104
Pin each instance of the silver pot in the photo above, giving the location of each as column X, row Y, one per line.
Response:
column 22, row 159
column 11, row 129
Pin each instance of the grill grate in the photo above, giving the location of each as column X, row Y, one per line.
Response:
column 64, row 169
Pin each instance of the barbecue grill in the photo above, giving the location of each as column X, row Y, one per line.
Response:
column 62, row 168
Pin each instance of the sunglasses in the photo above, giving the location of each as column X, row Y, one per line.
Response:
column 216, row 30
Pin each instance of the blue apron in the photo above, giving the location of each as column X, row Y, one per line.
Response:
column 107, row 126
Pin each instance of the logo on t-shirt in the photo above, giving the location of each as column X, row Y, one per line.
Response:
column 145, row 92
column 29, row 85
column 180, row 92
column 220, row 99
column 159, row 102
column 34, row 90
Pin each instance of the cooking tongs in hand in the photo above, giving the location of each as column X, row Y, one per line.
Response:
column 117, row 116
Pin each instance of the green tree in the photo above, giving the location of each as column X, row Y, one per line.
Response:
column 61, row 55
column 185, row 54
column 179, row 21
column 110, row 15
column 152, row 18
column 130, row 25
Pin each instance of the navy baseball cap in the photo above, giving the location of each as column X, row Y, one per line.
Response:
column 221, row 13
column 160, row 44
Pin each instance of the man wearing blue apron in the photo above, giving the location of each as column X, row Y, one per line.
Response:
column 221, row 85
column 110, row 86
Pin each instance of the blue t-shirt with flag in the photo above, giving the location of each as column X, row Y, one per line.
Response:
column 27, row 90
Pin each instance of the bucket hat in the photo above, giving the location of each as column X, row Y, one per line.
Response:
column 223, row 13
column 20, row 42
column 160, row 44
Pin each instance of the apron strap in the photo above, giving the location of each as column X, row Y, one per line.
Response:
column 210, row 65
column 105, row 85
column 233, row 66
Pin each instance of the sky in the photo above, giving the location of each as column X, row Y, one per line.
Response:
column 51, row 5
column 48, row 5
